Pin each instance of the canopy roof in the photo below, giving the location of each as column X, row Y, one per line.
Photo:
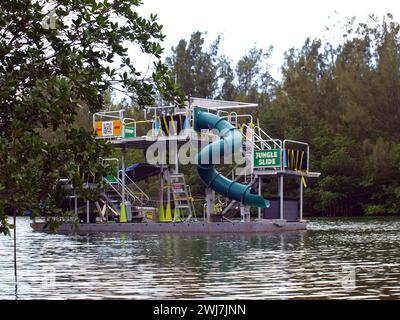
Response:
column 140, row 171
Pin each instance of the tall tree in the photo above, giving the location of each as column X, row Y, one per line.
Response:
column 252, row 74
column 194, row 67
column 227, row 90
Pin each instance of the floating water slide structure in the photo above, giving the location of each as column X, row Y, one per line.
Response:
column 230, row 142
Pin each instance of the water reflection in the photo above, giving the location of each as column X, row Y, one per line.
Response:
column 334, row 259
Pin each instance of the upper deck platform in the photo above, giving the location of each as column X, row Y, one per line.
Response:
column 174, row 125
column 163, row 123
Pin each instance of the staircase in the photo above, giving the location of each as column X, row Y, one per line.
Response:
column 113, row 197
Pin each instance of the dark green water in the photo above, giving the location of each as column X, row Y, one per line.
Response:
column 336, row 258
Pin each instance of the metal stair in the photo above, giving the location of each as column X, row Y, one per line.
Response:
column 113, row 196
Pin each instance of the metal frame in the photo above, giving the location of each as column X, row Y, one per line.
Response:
column 212, row 104
column 259, row 140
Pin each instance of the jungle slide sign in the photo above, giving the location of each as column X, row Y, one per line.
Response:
column 267, row 158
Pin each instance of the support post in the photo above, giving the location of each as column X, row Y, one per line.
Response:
column 75, row 203
column 176, row 158
column 301, row 200
column 87, row 211
column 157, row 217
column 209, row 202
column 242, row 212
column 123, row 173
column 169, row 192
column 281, row 197
column 259, row 193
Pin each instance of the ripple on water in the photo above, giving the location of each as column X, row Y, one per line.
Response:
column 335, row 258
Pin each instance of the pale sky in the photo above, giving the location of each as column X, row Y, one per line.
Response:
column 283, row 24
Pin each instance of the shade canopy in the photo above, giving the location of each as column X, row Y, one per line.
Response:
column 140, row 171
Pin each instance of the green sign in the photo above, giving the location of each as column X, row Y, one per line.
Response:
column 111, row 179
column 267, row 158
column 129, row 132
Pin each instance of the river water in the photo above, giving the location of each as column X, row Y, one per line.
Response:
column 356, row 258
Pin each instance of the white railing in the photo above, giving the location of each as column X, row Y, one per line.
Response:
column 130, row 193
column 301, row 143
column 128, row 122
column 253, row 141
column 264, row 137
column 232, row 117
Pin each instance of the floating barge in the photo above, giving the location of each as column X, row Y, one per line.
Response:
column 263, row 226
column 213, row 126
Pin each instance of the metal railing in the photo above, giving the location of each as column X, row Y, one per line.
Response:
column 253, row 141
column 130, row 195
column 301, row 143
column 128, row 122
column 232, row 117
column 131, row 182
column 267, row 138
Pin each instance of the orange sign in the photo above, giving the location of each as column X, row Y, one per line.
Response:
column 109, row 128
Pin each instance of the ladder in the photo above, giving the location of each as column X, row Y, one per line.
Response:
column 182, row 196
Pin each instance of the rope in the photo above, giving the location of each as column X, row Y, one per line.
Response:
column 301, row 159
column 173, row 124
column 180, row 121
column 166, row 125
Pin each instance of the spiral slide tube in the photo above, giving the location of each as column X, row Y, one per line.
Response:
column 231, row 141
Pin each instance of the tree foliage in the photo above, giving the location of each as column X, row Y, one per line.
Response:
column 344, row 100
column 194, row 68
column 57, row 59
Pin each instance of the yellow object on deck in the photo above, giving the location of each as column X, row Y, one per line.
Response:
column 177, row 215
column 161, row 216
column 149, row 215
column 168, row 214
column 122, row 215
column 217, row 208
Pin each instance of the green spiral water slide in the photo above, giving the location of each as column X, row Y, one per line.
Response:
column 231, row 142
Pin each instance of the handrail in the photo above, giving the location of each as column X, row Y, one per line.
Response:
column 222, row 111
column 127, row 190
column 269, row 137
column 252, row 140
column 111, row 111
column 112, row 186
column 108, row 114
column 130, row 193
column 237, row 116
column 112, row 209
column 137, row 187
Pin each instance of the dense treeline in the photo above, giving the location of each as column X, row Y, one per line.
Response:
column 343, row 99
